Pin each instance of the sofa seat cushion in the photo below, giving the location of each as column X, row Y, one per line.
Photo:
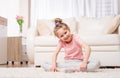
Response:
column 46, row 49
column 102, row 40
column 114, row 48
column 45, row 41
column 107, row 43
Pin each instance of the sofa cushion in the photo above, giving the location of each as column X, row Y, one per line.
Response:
column 45, row 41
column 102, row 40
column 45, row 27
column 96, row 26
column 71, row 22
column 108, row 48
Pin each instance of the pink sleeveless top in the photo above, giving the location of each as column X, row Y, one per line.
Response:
column 73, row 50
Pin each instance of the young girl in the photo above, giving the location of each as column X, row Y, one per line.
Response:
column 75, row 59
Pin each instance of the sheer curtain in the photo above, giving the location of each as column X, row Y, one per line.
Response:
column 47, row 9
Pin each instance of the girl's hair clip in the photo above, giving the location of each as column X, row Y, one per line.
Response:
column 57, row 23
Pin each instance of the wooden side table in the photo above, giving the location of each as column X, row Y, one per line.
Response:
column 16, row 51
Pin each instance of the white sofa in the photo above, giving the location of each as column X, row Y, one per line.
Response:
column 102, row 34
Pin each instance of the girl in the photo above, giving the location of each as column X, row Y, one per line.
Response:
column 75, row 59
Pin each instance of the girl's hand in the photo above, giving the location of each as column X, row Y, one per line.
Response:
column 54, row 68
column 83, row 66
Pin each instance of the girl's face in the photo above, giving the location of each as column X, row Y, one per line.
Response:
column 64, row 35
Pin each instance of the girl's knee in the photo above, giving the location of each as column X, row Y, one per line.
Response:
column 93, row 66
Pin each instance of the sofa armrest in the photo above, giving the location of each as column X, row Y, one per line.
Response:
column 30, row 43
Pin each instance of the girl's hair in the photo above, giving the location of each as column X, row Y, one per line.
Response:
column 59, row 24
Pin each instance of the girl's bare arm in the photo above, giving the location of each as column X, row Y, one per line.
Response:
column 87, row 51
column 54, row 59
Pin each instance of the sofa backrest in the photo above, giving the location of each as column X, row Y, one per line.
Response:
column 83, row 26
column 98, row 26
column 46, row 27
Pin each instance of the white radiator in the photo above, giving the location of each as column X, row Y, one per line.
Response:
column 3, row 40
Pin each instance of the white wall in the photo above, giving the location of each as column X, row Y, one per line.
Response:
column 24, row 12
column 9, row 9
column 119, row 6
